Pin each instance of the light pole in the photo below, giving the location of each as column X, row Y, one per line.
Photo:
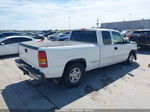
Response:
column 69, row 23
column 97, row 24
column 130, row 16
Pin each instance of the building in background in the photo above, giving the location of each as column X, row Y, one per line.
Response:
column 127, row 25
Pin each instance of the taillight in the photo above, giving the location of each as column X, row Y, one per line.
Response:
column 42, row 59
column 83, row 29
column 129, row 36
column 40, row 40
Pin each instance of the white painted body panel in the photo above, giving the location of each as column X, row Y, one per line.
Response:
column 58, row 58
column 9, row 49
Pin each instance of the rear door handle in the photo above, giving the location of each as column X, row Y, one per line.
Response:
column 115, row 48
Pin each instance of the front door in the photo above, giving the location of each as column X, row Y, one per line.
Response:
column 120, row 51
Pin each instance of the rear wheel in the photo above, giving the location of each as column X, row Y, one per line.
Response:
column 73, row 75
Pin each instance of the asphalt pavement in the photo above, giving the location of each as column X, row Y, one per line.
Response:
column 119, row 86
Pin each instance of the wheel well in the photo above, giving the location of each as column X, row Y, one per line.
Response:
column 81, row 61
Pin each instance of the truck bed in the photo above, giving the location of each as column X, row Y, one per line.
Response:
column 28, row 51
column 36, row 45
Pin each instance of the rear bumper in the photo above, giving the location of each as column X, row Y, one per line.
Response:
column 29, row 70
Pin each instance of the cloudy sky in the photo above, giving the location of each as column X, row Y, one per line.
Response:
column 55, row 14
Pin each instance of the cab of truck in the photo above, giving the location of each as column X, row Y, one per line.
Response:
column 114, row 48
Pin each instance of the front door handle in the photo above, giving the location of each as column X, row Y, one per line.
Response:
column 115, row 48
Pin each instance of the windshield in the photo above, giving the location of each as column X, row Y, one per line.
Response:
column 84, row 36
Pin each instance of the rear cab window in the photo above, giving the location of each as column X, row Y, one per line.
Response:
column 106, row 38
column 84, row 36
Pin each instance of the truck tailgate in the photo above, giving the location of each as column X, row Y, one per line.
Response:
column 29, row 54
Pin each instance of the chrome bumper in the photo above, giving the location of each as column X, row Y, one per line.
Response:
column 29, row 70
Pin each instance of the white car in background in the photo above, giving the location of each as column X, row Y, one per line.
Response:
column 9, row 45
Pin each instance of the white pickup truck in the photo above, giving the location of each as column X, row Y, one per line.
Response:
column 87, row 49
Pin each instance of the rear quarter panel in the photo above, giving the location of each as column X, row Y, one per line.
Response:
column 59, row 56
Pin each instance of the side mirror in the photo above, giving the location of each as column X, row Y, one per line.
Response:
column 126, row 40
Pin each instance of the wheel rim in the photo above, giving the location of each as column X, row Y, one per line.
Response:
column 75, row 75
column 131, row 59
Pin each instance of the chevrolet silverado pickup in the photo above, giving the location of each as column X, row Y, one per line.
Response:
column 87, row 49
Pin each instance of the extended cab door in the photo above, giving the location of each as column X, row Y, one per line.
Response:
column 106, row 49
column 120, row 51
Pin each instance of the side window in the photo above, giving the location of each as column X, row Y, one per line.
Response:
column 16, row 40
column 146, row 33
column 137, row 33
column 117, row 38
column 106, row 37
column 24, row 39
column 9, row 41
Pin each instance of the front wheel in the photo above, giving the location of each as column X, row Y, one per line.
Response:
column 131, row 58
column 73, row 74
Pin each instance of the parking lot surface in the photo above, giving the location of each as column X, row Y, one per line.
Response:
column 118, row 86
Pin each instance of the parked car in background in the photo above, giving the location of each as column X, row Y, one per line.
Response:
column 7, row 34
column 41, row 38
column 53, row 36
column 87, row 49
column 35, row 36
column 63, row 37
column 125, row 33
column 40, row 34
column 49, row 33
column 9, row 45
column 59, row 36
column 141, row 37
column 29, row 34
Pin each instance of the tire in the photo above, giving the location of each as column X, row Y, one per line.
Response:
column 73, row 74
column 131, row 59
